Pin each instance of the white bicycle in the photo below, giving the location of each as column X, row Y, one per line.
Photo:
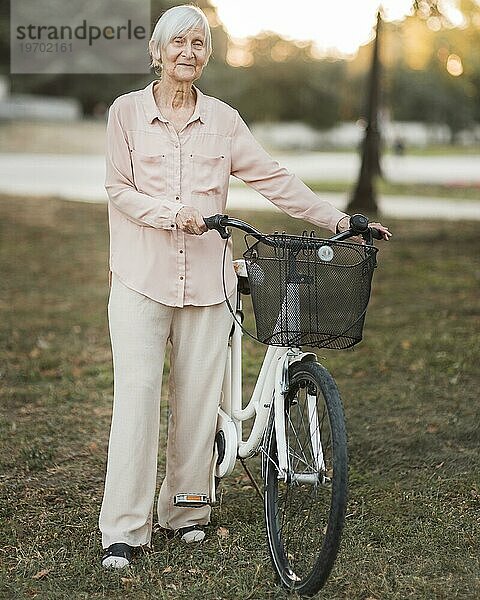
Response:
column 305, row 291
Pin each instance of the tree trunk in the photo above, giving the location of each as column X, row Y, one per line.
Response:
column 364, row 198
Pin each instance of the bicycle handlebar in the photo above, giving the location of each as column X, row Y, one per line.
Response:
column 358, row 226
column 221, row 222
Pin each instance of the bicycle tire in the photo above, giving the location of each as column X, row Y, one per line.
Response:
column 304, row 521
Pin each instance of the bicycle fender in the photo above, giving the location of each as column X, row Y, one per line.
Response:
column 303, row 357
column 281, row 386
column 280, row 418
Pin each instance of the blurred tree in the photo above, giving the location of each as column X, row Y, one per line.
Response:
column 431, row 89
column 285, row 83
column 364, row 195
column 94, row 90
column 439, row 84
column 4, row 37
column 279, row 79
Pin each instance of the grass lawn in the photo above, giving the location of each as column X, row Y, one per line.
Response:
column 411, row 399
column 415, row 190
column 443, row 150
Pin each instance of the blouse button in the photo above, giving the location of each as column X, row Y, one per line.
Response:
column 181, row 251
column 181, row 277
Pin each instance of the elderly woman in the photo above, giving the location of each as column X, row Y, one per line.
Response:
column 170, row 152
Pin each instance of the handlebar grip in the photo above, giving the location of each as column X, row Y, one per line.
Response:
column 210, row 222
column 216, row 222
column 376, row 234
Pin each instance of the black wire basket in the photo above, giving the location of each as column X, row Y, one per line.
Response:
column 308, row 291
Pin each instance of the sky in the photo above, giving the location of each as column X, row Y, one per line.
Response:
column 336, row 26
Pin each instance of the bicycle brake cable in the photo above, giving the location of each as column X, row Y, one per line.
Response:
column 226, row 298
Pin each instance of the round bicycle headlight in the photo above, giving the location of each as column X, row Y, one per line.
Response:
column 325, row 253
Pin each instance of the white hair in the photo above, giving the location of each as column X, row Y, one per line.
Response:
column 174, row 22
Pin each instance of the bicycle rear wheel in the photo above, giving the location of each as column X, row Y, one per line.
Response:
column 305, row 511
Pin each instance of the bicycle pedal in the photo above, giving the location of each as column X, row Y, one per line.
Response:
column 191, row 500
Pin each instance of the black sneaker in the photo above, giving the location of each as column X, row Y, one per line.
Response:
column 117, row 556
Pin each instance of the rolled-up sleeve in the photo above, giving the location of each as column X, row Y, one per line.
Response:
column 253, row 165
column 119, row 182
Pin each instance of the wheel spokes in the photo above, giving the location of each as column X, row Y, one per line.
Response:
column 301, row 507
column 305, row 503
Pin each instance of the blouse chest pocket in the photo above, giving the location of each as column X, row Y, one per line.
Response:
column 209, row 173
column 149, row 172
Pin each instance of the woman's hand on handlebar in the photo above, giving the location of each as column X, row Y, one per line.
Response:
column 386, row 234
column 190, row 220
column 344, row 225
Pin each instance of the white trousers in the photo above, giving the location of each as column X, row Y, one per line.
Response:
column 139, row 331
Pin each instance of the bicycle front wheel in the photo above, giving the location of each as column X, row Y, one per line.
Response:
column 305, row 507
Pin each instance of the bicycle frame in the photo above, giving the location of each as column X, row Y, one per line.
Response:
column 287, row 425
column 271, row 385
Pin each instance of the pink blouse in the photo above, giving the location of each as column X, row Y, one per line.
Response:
column 152, row 172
